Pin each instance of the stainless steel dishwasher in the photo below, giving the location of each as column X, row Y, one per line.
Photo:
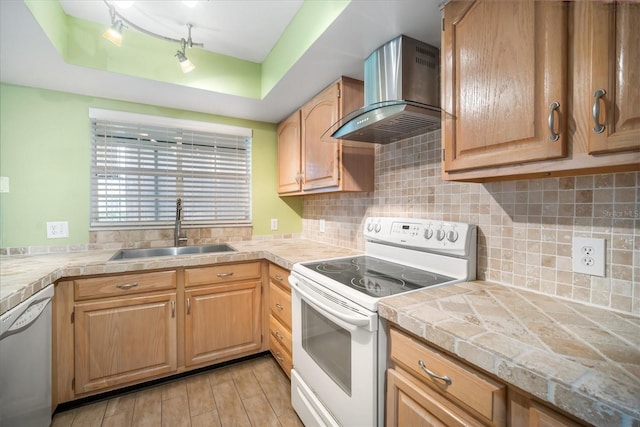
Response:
column 25, row 362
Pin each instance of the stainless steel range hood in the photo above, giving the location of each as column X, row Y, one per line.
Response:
column 401, row 94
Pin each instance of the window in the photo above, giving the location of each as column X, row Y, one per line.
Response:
column 141, row 164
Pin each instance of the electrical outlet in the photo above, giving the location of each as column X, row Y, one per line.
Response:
column 322, row 226
column 274, row 224
column 588, row 256
column 57, row 229
column 4, row 184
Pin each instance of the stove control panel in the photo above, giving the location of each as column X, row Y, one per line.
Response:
column 440, row 236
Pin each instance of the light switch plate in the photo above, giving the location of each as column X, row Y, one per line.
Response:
column 588, row 256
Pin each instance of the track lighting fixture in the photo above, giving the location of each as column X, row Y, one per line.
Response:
column 114, row 35
column 185, row 64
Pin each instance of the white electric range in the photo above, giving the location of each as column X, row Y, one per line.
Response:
column 339, row 341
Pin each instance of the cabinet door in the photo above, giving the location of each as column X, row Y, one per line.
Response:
column 412, row 404
column 222, row 321
column 289, row 154
column 615, row 70
column 320, row 156
column 503, row 66
column 124, row 341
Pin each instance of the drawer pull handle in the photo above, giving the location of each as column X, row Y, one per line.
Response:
column 597, row 127
column 553, row 136
column 221, row 275
column 446, row 378
column 279, row 335
column 188, row 305
column 279, row 306
column 173, row 309
column 279, row 278
column 127, row 285
column 279, row 356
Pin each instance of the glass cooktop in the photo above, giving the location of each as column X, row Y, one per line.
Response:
column 376, row 277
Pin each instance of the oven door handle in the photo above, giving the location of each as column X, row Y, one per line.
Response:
column 348, row 322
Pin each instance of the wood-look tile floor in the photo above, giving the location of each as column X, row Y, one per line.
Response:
column 251, row 393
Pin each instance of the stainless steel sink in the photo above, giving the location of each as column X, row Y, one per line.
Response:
column 170, row 251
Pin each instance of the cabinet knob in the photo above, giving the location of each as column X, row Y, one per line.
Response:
column 279, row 277
column 279, row 306
column 597, row 127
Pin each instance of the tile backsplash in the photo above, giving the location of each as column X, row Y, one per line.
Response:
column 525, row 227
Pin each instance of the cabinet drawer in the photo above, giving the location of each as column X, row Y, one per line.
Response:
column 280, row 304
column 470, row 389
column 125, row 284
column 221, row 274
column 279, row 276
column 280, row 333
column 282, row 357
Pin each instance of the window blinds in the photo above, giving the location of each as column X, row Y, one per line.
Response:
column 138, row 171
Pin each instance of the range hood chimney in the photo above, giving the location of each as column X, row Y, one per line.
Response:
column 401, row 94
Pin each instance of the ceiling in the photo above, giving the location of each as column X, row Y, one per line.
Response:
column 245, row 29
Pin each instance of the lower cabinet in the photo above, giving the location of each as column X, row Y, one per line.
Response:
column 524, row 411
column 112, row 331
column 124, row 340
column 411, row 403
column 222, row 321
column 431, row 386
column 426, row 387
column 280, row 317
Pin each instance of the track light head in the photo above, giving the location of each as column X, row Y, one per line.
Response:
column 114, row 33
column 186, row 65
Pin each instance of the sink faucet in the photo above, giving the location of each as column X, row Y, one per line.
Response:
column 176, row 231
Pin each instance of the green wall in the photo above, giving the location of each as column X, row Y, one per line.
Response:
column 45, row 152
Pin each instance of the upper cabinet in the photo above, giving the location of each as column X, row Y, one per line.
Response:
column 289, row 156
column 534, row 89
column 310, row 163
column 615, row 73
column 504, row 83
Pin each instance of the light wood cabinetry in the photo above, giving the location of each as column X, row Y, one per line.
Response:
column 112, row 331
column 309, row 163
column 427, row 387
column 280, row 317
column 412, row 403
column 289, row 154
column 524, row 411
column 122, row 340
column 615, row 73
column 497, row 89
column 223, row 316
column 504, row 71
column 124, row 329
column 430, row 386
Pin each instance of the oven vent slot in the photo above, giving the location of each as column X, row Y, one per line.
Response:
column 332, row 298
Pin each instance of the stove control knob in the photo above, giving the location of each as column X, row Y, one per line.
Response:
column 428, row 233
column 378, row 227
column 440, row 234
column 452, row 236
column 370, row 227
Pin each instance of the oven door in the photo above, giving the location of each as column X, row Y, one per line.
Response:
column 335, row 356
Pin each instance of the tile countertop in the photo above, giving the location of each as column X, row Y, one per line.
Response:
column 580, row 358
column 23, row 275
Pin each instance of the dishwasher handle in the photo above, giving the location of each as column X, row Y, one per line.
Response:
column 25, row 313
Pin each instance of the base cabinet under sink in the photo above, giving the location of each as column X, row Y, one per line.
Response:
column 112, row 331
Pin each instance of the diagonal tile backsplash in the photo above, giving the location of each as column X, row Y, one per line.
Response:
column 525, row 227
